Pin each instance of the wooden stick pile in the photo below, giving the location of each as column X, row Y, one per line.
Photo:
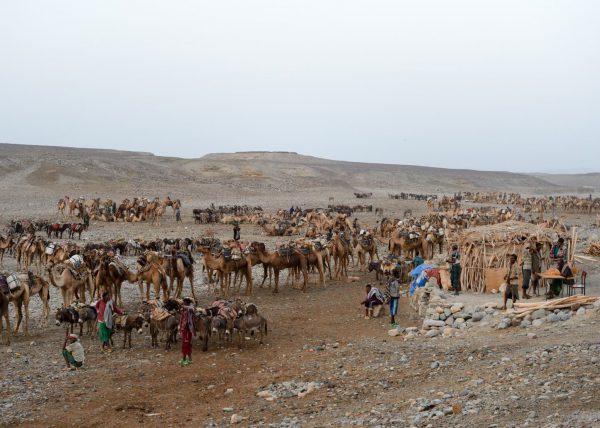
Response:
column 524, row 309
column 593, row 249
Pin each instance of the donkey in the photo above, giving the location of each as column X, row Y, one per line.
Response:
column 89, row 317
column 67, row 316
column 128, row 323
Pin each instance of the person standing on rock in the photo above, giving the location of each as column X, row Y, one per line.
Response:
column 394, row 290
column 187, row 329
column 73, row 352
column 512, row 281
column 105, row 308
column 455, row 269
column 526, row 263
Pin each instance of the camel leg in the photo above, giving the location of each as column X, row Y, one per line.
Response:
column 276, row 273
column 191, row 278
column 19, row 313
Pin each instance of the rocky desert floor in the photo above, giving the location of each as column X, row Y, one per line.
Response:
column 322, row 363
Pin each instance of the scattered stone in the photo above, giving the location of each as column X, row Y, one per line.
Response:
column 236, row 419
column 553, row 317
column 435, row 365
column 427, row 324
column 580, row 311
column 433, row 333
column 532, row 335
column 525, row 323
column 540, row 313
column 228, row 391
column 538, row 322
column 393, row 332
column 477, row 316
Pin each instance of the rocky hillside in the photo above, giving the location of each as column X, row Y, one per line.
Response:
column 58, row 168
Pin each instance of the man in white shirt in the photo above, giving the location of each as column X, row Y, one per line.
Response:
column 73, row 352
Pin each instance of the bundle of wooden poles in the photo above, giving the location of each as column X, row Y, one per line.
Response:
column 593, row 249
column 524, row 309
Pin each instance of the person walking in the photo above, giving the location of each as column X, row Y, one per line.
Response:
column 105, row 308
column 73, row 352
column 394, row 291
column 187, row 329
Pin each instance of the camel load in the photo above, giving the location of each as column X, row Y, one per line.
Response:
column 485, row 251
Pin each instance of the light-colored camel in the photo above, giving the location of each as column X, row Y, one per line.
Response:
column 68, row 284
column 341, row 251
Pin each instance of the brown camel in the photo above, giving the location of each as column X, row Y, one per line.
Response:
column 5, row 244
column 20, row 300
column 29, row 248
column 225, row 268
column 366, row 246
column 117, row 274
column 279, row 263
column 152, row 273
column 4, row 314
column 69, row 284
column 398, row 244
column 341, row 251
column 314, row 257
column 177, row 271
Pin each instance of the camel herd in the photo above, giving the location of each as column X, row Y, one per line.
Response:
column 129, row 210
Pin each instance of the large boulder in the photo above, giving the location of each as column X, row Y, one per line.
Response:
column 477, row 316
column 540, row 313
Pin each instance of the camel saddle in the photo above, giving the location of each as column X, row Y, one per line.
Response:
column 187, row 261
column 366, row 242
column 285, row 251
column 224, row 310
column 305, row 250
column 119, row 266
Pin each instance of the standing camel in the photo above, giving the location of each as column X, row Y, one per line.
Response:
column 4, row 314
column 341, row 250
column 178, row 272
column 152, row 273
column 279, row 263
column 225, row 268
column 69, row 284
column 5, row 244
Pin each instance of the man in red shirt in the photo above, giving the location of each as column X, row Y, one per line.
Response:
column 187, row 328
column 105, row 308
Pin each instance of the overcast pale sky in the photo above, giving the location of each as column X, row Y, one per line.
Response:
column 503, row 85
